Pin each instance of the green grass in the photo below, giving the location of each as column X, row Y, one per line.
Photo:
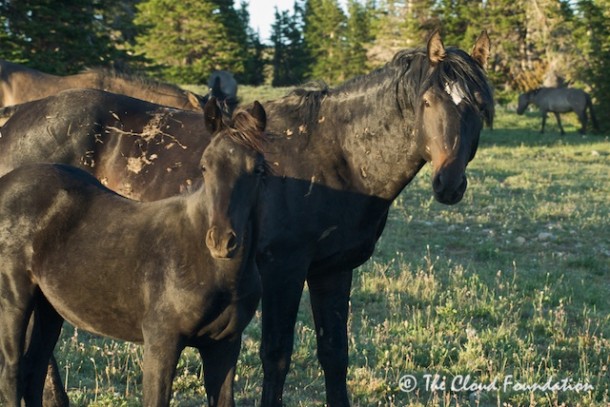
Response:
column 512, row 282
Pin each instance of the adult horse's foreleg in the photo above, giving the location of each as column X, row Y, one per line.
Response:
column 558, row 116
column 282, row 290
column 219, row 361
column 161, row 353
column 544, row 113
column 330, row 305
column 46, row 330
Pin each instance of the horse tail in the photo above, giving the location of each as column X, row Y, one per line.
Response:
column 593, row 118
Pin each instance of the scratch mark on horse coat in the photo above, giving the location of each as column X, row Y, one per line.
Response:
column 313, row 180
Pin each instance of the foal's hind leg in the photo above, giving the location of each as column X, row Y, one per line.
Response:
column 16, row 294
column 47, row 326
column 559, row 123
column 219, row 360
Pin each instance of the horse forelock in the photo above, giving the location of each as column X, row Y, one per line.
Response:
column 244, row 130
column 457, row 74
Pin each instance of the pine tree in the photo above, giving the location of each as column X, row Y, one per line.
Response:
column 324, row 35
column 188, row 40
column 254, row 63
column 596, row 47
column 290, row 59
column 358, row 36
column 55, row 39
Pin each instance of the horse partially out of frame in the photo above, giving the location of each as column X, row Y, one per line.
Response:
column 20, row 84
column 557, row 101
column 169, row 274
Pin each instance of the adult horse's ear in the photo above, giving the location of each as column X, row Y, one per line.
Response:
column 260, row 116
column 482, row 49
column 216, row 90
column 436, row 49
column 194, row 100
column 212, row 115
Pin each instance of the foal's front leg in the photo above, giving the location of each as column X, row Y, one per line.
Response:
column 161, row 353
column 219, row 360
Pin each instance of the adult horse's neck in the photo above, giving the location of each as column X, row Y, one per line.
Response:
column 358, row 137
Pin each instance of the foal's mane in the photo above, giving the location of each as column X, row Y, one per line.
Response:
column 244, row 130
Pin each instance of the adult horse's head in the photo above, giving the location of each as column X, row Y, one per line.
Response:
column 232, row 166
column 524, row 100
column 453, row 100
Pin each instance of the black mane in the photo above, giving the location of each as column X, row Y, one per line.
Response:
column 409, row 74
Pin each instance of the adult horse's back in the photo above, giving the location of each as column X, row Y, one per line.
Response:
column 142, row 150
column 340, row 157
column 20, row 84
column 559, row 100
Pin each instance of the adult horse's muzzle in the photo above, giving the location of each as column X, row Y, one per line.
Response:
column 222, row 244
column 449, row 185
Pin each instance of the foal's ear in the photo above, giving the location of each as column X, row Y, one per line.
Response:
column 259, row 115
column 212, row 115
column 482, row 49
column 436, row 49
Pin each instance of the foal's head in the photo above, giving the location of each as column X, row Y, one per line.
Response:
column 232, row 166
column 453, row 102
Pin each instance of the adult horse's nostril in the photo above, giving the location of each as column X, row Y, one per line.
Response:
column 231, row 241
column 437, row 183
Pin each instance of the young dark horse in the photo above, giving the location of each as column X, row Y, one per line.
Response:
column 20, row 84
column 340, row 157
column 168, row 274
column 559, row 100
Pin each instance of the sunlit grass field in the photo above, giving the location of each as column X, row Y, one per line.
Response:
column 500, row 295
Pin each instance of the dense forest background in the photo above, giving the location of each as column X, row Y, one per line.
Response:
column 535, row 42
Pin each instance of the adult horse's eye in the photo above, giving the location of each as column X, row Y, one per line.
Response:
column 426, row 103
column 203, row 169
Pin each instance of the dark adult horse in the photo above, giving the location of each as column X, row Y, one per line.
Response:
column 340, row 157
column 20, row 84
column 139, row 149
column 225, row 84
column 169, row 274
column 559, row 100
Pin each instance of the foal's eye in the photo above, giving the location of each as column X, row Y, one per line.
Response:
column 203, row 169
column 426, row 103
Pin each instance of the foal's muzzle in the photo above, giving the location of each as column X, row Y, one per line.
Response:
column 222, row 245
